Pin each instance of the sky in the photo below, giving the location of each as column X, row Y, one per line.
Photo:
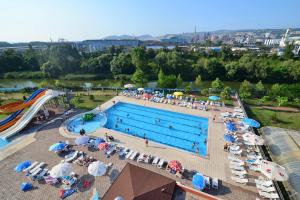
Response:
column 75, row 20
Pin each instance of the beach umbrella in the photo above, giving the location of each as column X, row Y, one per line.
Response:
column 26, row 186
column 198, row 181
column 229, row 138
column 175, row 165
column 253, row 139
column 129, row 86
column 140, row 89
column 251, row 122
column 178, row 93
column 169, row 96
column 60, row 170
column 23, row 165
column 97, row 168
column 147, row 96
column 273, row 171
column 230, row 126
column 214, row 98
column 83, row 140
column 148, row 90
column 103, row 146
column 57, row 146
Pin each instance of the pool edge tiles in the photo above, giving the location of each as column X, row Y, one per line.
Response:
column 182, row 131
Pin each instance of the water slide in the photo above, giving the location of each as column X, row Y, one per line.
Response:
column 13, row 118
column 29, row 114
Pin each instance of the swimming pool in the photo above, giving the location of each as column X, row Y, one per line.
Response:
column 78, row 123
column 178, row 130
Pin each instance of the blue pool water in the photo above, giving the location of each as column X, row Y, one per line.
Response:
column 3, row 143
column 166, row 127
column 90, row 126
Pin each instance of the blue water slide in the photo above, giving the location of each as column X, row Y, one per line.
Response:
column 15, row 114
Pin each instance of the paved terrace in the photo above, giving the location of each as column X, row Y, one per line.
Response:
column 215, row 164
column 38, row 151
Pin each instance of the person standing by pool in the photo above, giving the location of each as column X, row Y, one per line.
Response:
column 194, row 144
column 197, row 150
column 146, row 142
column 144, row 136
column 106, row 136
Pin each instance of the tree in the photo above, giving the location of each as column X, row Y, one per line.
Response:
column 288, row 51
column 276, row 90
column 198, row 81
column 166, row 81
column 259, row 89
column 281, row 100
column 121, row 64
column 139, row 77
column 179, row 81
column 217, row 85
column 205, row 92
column 139, row 58
column 51, row 70
column 65, row 58
column 245, row 90
column 226, row 53
column 225, row 94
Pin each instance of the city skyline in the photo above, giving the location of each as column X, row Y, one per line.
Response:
column 78, row 20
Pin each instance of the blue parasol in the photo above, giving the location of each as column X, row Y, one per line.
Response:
column 198, row 181
column 82, row 140
column 229, row 138
column 26, row 186
column 23, row 165
column 251, row 122
column 214, row 98
column 57, row 146
column 230, row 126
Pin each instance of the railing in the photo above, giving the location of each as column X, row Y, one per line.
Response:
column 282, row 193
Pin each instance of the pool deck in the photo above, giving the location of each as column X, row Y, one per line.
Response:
column 35, row 147
column 215, row 164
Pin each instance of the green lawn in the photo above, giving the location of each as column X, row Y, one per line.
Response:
column 84, row 101
column 256, row 102
column 266, row 117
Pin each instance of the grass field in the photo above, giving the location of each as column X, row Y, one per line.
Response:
column 85, row 101
column 289, row 120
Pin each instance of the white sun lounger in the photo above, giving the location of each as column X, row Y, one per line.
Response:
column 140, row 158
column 36, row 172
column 238, row 163
column 239, row 152
column 37, row 167
column 239, row 180
column 161, row 163
column 254, row 157
column 255, row 168
column 239, row 173
column 266, row 189
column 234, row 148
column 42, row 174
column 129, row 154
column 207, row 182
column 266, row 183
column 71, row 157
column 236, row 167
column 31, row 166
column 134, row 155
column 215, row 183
column 234, row 159
column 155, row 161
column 268, row 195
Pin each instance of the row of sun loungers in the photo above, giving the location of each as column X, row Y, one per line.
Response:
column 266, row 189
column 36, row 170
